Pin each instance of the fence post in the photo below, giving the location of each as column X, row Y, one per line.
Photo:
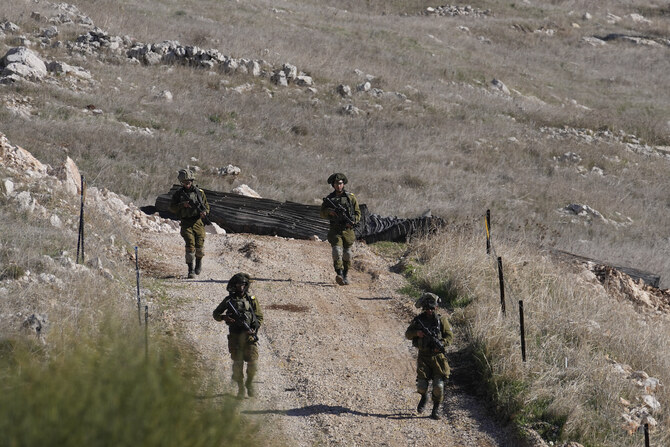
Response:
column 146, row 333
column 488, row 231
column 80, row 237
column 502, row 285
column 646, row 435
column 523, row 332
column 137, row 277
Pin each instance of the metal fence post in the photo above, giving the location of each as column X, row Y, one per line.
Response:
column 502, row 285
column 488, row 231
column 523, row 331
column 137, row 277
column 80, row 237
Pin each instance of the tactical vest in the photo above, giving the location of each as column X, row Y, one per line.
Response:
column 345, row 201
column 194, row 195
column 244, row 307
column 435, row 326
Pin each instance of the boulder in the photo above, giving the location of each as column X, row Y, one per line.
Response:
column 23, row 62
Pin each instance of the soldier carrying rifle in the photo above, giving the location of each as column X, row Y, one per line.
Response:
column 189, row 203
column 341, row 209
column 431, row 333
column 242, row 313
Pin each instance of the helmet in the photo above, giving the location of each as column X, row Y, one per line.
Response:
column 238, row 278
column 428, row 301
column 185, row 174
column 337, row 177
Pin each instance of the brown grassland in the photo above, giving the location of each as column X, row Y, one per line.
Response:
column 448, row 142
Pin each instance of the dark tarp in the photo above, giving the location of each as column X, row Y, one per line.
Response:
column 241, row 214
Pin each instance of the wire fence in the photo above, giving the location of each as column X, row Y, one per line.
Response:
column 506, row 293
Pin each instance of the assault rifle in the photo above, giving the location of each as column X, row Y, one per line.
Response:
column 197, row 205
column 239, row 319
column 435, row 341
column 342, row 212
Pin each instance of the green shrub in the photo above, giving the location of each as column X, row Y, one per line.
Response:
column 105, row 392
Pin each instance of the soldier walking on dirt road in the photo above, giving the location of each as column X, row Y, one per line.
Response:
column 431, row 333
column 243, row 315
column 189, row 203
column 341, row 208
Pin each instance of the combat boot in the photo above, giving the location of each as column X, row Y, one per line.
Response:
column 345, row 278
column 198, row 266
column 251, row 391
column 435, row 414
column 191, row 275
column 240, row 391
column 422, row 403
column 339, row 278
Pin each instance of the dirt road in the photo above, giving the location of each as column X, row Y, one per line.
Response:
column 335, row 368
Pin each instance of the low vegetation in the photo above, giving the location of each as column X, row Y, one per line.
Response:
column 445, row 140
column 569, row 387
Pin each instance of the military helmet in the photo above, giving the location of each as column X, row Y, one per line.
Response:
column 428, row 301
column 238, row 278
column 337, row 177
column 184, row 175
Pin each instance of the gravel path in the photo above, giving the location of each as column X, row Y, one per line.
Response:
column 335, row 367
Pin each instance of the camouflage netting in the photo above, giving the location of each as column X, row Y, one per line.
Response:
column 240, row 214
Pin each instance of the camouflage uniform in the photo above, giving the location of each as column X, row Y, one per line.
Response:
column 341, row 235
column 192, row 227
column 242, row 345
column 431, row 364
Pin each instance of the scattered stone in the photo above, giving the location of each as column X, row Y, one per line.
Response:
column 24, row 63
column 453, row 11
column 343, row 90
column 226, row 170
column 245, row 190
column 498, row 85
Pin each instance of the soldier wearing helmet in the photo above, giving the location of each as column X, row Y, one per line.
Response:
column 430, row 332
column 243, row 324
column 189, row 203
column 340, row 207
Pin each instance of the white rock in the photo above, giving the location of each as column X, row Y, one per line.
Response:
column 651, row 402
column 23, row 62
column 8, row 186
column 498, row 85
column 214, row 229
column 55, row 221
column 245, row 190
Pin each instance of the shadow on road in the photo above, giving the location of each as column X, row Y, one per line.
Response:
column 338, row 410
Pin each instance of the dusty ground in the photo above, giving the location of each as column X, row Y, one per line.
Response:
column 335, row 368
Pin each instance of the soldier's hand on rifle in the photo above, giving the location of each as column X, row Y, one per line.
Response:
column 420, row 334
column 332, row 213
column 203, row 214
column 187, row 205
column 228, row 319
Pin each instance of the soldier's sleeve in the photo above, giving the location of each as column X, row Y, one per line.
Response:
column 220, row 310
column 447, row 334
column 357, row 210
column 174, row 203
column 411, row 331
column 204, row 200
column 324, row 211
column 257, row 310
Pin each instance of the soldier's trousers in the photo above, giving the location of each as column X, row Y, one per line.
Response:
column 435, row 368
column 242, row 349
column 341, row 241
column 194, row 239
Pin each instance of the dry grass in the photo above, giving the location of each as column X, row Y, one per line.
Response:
column 454, row 147
column 568, row 319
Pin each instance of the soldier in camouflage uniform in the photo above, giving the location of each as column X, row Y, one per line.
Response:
column 341, row 233
column 189, row 203
column 431, row 363
column 242, row 330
